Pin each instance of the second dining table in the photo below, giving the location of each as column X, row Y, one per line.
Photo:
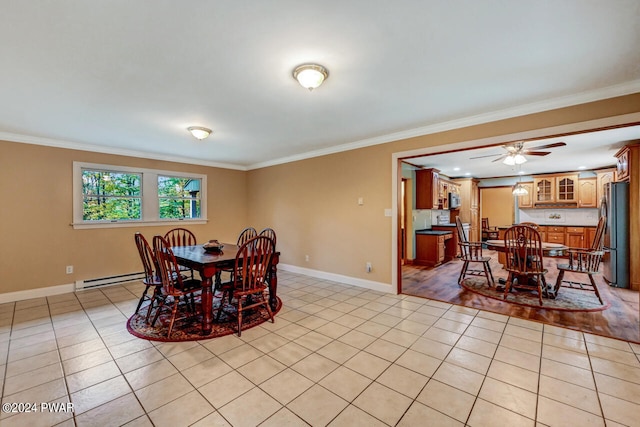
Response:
column 208, row 264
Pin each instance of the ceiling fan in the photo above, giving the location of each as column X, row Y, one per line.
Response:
column 516, row 152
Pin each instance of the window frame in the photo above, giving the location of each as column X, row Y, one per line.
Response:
column 150, row 198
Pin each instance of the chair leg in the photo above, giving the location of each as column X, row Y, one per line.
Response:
column 541, row 282
column 507, row 286
column 465, row 265
column 158, row 309
column 485, row 266
column 224, row 293
column 173, row 317
column 493, row 281
column 595, row 288
column 144, row 295
column 558, row 281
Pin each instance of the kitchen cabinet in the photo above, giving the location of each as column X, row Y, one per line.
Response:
column 587, row 193
column 427, row 189
column 542, row 229
column 555, row 189
column 555, row 234
column 589, row 235
column 622, row 164
column 470, row 209
column 602, row 178
column 526, row 200
column 574, row 237
column 430, row 249
column 451, row 247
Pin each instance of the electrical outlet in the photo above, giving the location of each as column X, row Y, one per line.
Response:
column 69, row 269
column 368, row 267
column 306, row 258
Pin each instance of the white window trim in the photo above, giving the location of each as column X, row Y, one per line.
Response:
column 150, row 211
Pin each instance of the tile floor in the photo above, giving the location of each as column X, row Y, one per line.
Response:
column 337, row 355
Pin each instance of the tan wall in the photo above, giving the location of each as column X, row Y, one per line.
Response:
column 496, row 203
column 38, row 240
column 311, row 203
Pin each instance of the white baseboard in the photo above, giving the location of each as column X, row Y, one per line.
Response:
column 36, row 293
column 362, row 283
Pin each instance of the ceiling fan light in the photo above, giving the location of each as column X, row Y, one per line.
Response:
column 519, row 159
column 509, row 160
column 310, row 76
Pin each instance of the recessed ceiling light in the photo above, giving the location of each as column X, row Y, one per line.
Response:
column 582, row 167
column 521, row 173
column 456, row 169
column 467, row 173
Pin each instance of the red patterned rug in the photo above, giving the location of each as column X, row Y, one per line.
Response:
column 567, row 299
column 190, row 329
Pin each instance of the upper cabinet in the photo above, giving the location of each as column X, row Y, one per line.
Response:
column 427, row 189
column 622, row 165
column 526, row 200
column 587, row 193
column 602, row 178
column 559, row 189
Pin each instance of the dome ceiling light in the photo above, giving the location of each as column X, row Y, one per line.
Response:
column 199, row 132
column 310, row 76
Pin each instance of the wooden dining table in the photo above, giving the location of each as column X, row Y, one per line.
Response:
column 548, row 249
column 208, row 264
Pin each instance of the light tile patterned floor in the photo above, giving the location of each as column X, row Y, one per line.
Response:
column 337, row 355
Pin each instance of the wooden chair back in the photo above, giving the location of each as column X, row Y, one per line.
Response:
column 246, row 235
column 530, row 224
column 598, row 239
column 149, row 263
column 180, row 237
column 270, row 233
column 252, row 264
column 462, row 236
column 523, row 248
column 172, row 280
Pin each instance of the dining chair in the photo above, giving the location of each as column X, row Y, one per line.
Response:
column 181, row 237
column 524, row 261
column 244, row 236
column 151, row 274
column 488, row 232
column 247, row 288
column 584, row 262
column 270, row 233
column 471, row 252
column 174, row 286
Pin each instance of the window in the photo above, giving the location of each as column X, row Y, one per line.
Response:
column 118, row 196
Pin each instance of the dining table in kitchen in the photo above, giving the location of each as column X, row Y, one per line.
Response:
column 208, row 263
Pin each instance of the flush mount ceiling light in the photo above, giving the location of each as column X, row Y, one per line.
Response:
column 310, row 76
column 514, row 159
column 199, row 132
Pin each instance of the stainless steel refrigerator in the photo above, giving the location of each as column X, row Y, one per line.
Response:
column 615, row 206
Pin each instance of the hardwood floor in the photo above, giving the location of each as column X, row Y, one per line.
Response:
column 621, row 320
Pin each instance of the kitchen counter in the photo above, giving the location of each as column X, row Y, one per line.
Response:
column 433, row 232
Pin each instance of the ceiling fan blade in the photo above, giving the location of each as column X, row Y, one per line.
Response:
column 536, row 153
column 482, row 157
column 501, row 158
column 554, row 145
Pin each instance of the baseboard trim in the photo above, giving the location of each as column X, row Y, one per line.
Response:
column 36, row 293
column 362, row 283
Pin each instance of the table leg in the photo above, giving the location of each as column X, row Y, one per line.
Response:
column 207, row 302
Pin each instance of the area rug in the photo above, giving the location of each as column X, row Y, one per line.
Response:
column 190, row 329
column 566, row 300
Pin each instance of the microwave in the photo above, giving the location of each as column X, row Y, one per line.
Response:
column 454, row 201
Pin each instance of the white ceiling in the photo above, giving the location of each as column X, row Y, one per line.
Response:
column 129, row 77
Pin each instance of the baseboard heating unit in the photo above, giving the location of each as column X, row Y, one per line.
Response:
column 107, row 281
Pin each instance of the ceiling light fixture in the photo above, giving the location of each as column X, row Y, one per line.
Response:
column 310, row 76
column 199, row 132
column 519, row 190
column 514, row 159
